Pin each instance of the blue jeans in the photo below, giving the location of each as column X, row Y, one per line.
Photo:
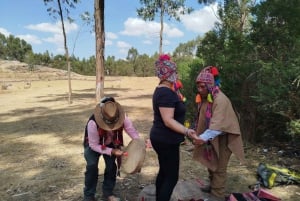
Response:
column 91, row 173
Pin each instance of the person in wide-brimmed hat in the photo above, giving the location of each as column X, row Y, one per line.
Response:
column 104, row 136
column 218, row 131
column 168, row 131
column 109, row 115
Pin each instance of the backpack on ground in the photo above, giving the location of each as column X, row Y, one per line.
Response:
column 270, row 176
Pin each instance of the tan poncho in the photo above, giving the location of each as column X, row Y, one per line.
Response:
column 223, row 119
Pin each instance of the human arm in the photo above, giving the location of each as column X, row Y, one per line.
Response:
column 94, row 139
column 167, row 114
column 130, row 129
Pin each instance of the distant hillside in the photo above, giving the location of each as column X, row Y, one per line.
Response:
column 18, row 71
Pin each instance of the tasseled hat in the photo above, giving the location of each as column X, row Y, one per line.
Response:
column 166, row 69
column 210, row 76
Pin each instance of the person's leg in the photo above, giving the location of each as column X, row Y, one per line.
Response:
column 91, row 173
column 219, row 176
column 110, row 175
column 168, row 157
column 160, row 175
column 207, row 188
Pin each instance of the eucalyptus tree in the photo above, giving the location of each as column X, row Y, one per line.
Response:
column 132, row 56
column 145, row 65
column 187, row 49
column 110, row 64
column 58, row 10
column 171, row 8
column 16, row 48
column 100, row 46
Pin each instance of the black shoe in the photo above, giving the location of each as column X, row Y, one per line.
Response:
column 206, row 189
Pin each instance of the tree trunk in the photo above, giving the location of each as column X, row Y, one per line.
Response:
column 66, row 52
column 248, row 110
column 161, row 27
column 100, row 44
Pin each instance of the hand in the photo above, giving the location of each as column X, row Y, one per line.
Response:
column 190, row 132
column 117, row 152
column 196, row 140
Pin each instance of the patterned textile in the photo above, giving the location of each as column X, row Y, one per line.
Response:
column 209, row 75
column 223, row 119
column 203, row 77
column 206, row 78
column 166, row 69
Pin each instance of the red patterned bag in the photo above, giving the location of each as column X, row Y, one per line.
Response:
column 259, row 195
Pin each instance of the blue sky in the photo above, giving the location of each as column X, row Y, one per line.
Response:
column 29, row 20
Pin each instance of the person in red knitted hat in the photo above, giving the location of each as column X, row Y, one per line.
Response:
column 218, row 131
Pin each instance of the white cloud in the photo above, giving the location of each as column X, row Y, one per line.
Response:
column 108, row 42
column 166, row 42
column 172, row 32
column 148, row 42
column 60, row 50
column 44, row 27
column 53, row 28
column 123, row 47
column 57, row 39
column 148, row 29
column 31, row 39
column 122, row 44
column 200, row 21
column 4, row 32
column 110, row 35
column 134, row 27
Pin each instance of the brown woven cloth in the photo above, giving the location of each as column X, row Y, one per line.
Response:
column 223, row 119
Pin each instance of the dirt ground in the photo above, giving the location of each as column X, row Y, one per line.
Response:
column 41, row 153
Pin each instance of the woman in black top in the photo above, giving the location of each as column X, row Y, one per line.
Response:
column 167, row 131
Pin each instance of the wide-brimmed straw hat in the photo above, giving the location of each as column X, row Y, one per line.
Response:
column 109, row 115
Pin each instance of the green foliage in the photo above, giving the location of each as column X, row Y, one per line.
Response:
column 206, row 1
column 170, row 8
column 188, row 71
column 294, row 129
column 132, row 56
column 55, row 12
column 144, row 66
column 276, row 35
column 14, row 48
column 187, row 49
column 163, row 8
column 259, row 64
column 211, row 48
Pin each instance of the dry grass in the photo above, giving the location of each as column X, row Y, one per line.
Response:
column 41, row 138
